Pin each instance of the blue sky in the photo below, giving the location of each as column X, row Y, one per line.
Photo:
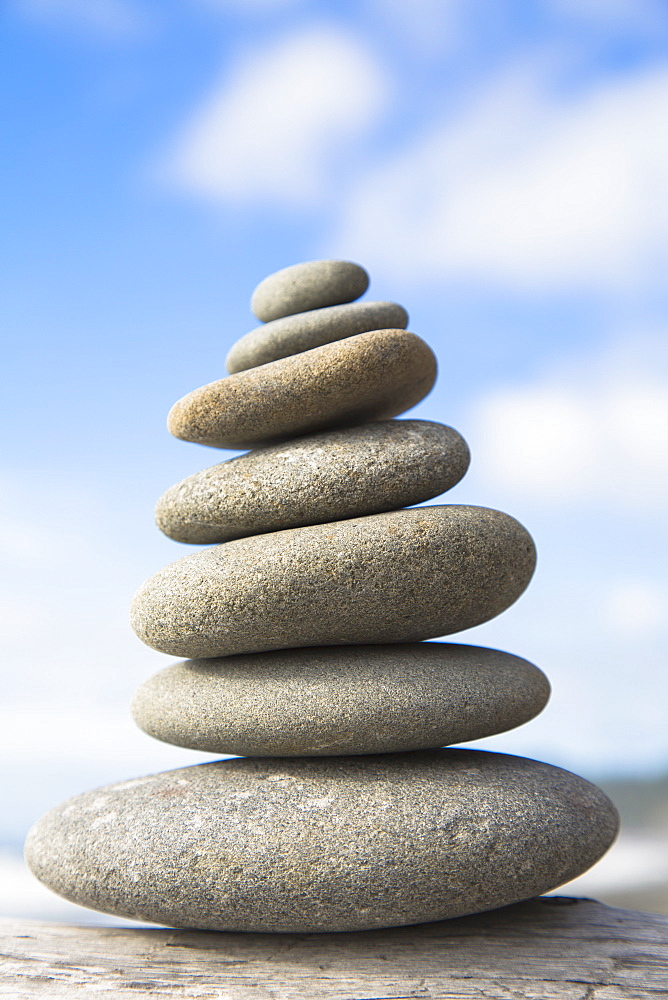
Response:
column 499, row 167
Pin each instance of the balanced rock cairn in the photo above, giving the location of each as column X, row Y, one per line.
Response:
column 302, row 626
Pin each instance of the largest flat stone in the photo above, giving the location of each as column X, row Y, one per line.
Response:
column 366, row 377
column 402, row 576
column 320, row 477
column 340, row 699
column 324, row 844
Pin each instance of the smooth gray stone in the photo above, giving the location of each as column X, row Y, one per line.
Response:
column 367, row 377
column 324, row 844
column 311, row 285
column 402, row 576
column 303, row 331
column 340, row 699
column 310, row 480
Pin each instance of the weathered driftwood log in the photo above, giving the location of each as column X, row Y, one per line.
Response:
column 546, row 948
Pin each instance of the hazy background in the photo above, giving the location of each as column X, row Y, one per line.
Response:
column 499, row 166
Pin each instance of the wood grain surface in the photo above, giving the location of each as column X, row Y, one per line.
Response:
column 546, row 948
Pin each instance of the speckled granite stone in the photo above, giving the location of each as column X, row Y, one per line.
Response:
column 306, row 330
column 322, row 477
column 366, row 377
column 340, row 699
column 402, row 576
column 324, row 844
column 311, row 285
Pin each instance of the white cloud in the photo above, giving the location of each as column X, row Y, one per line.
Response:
column 635, row 607
column 275, row 124
column 526, row 190
column 429, row 27
column 596, row 427
column 28, row 539
column 109, row 18
column 66, row 589
column 111, row 737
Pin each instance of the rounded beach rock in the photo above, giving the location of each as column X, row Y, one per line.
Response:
column 292, row 334
column 402, row 576
column 311, row 285
column 340, row 699
column 322, row 477
column 367, row 377
column 324, row 844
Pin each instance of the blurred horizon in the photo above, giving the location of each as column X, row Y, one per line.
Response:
column 498, row 166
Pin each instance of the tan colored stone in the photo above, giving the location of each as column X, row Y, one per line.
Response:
column 310, row 285
column 325, row 843
column 367, row 377
column 303, row 331
column 402, row 576
column 321, row 477
column 331, row 700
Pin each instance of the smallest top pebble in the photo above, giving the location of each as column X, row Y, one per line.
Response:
column 311, row 285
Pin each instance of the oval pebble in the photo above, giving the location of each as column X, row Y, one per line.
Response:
column 310, row 480
column 303, row 331
column 340, row 699
column 402, row 576
column 324, row 844
column 367, row 377
column 311, row 285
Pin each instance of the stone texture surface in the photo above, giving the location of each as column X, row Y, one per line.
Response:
column 366, row 377
column 340, row 699
column 322, row 477
column 324, row 844
column 303, row 331
column 402, row 576
column 311, row 285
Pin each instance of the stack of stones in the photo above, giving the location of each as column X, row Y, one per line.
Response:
column 303, row 627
